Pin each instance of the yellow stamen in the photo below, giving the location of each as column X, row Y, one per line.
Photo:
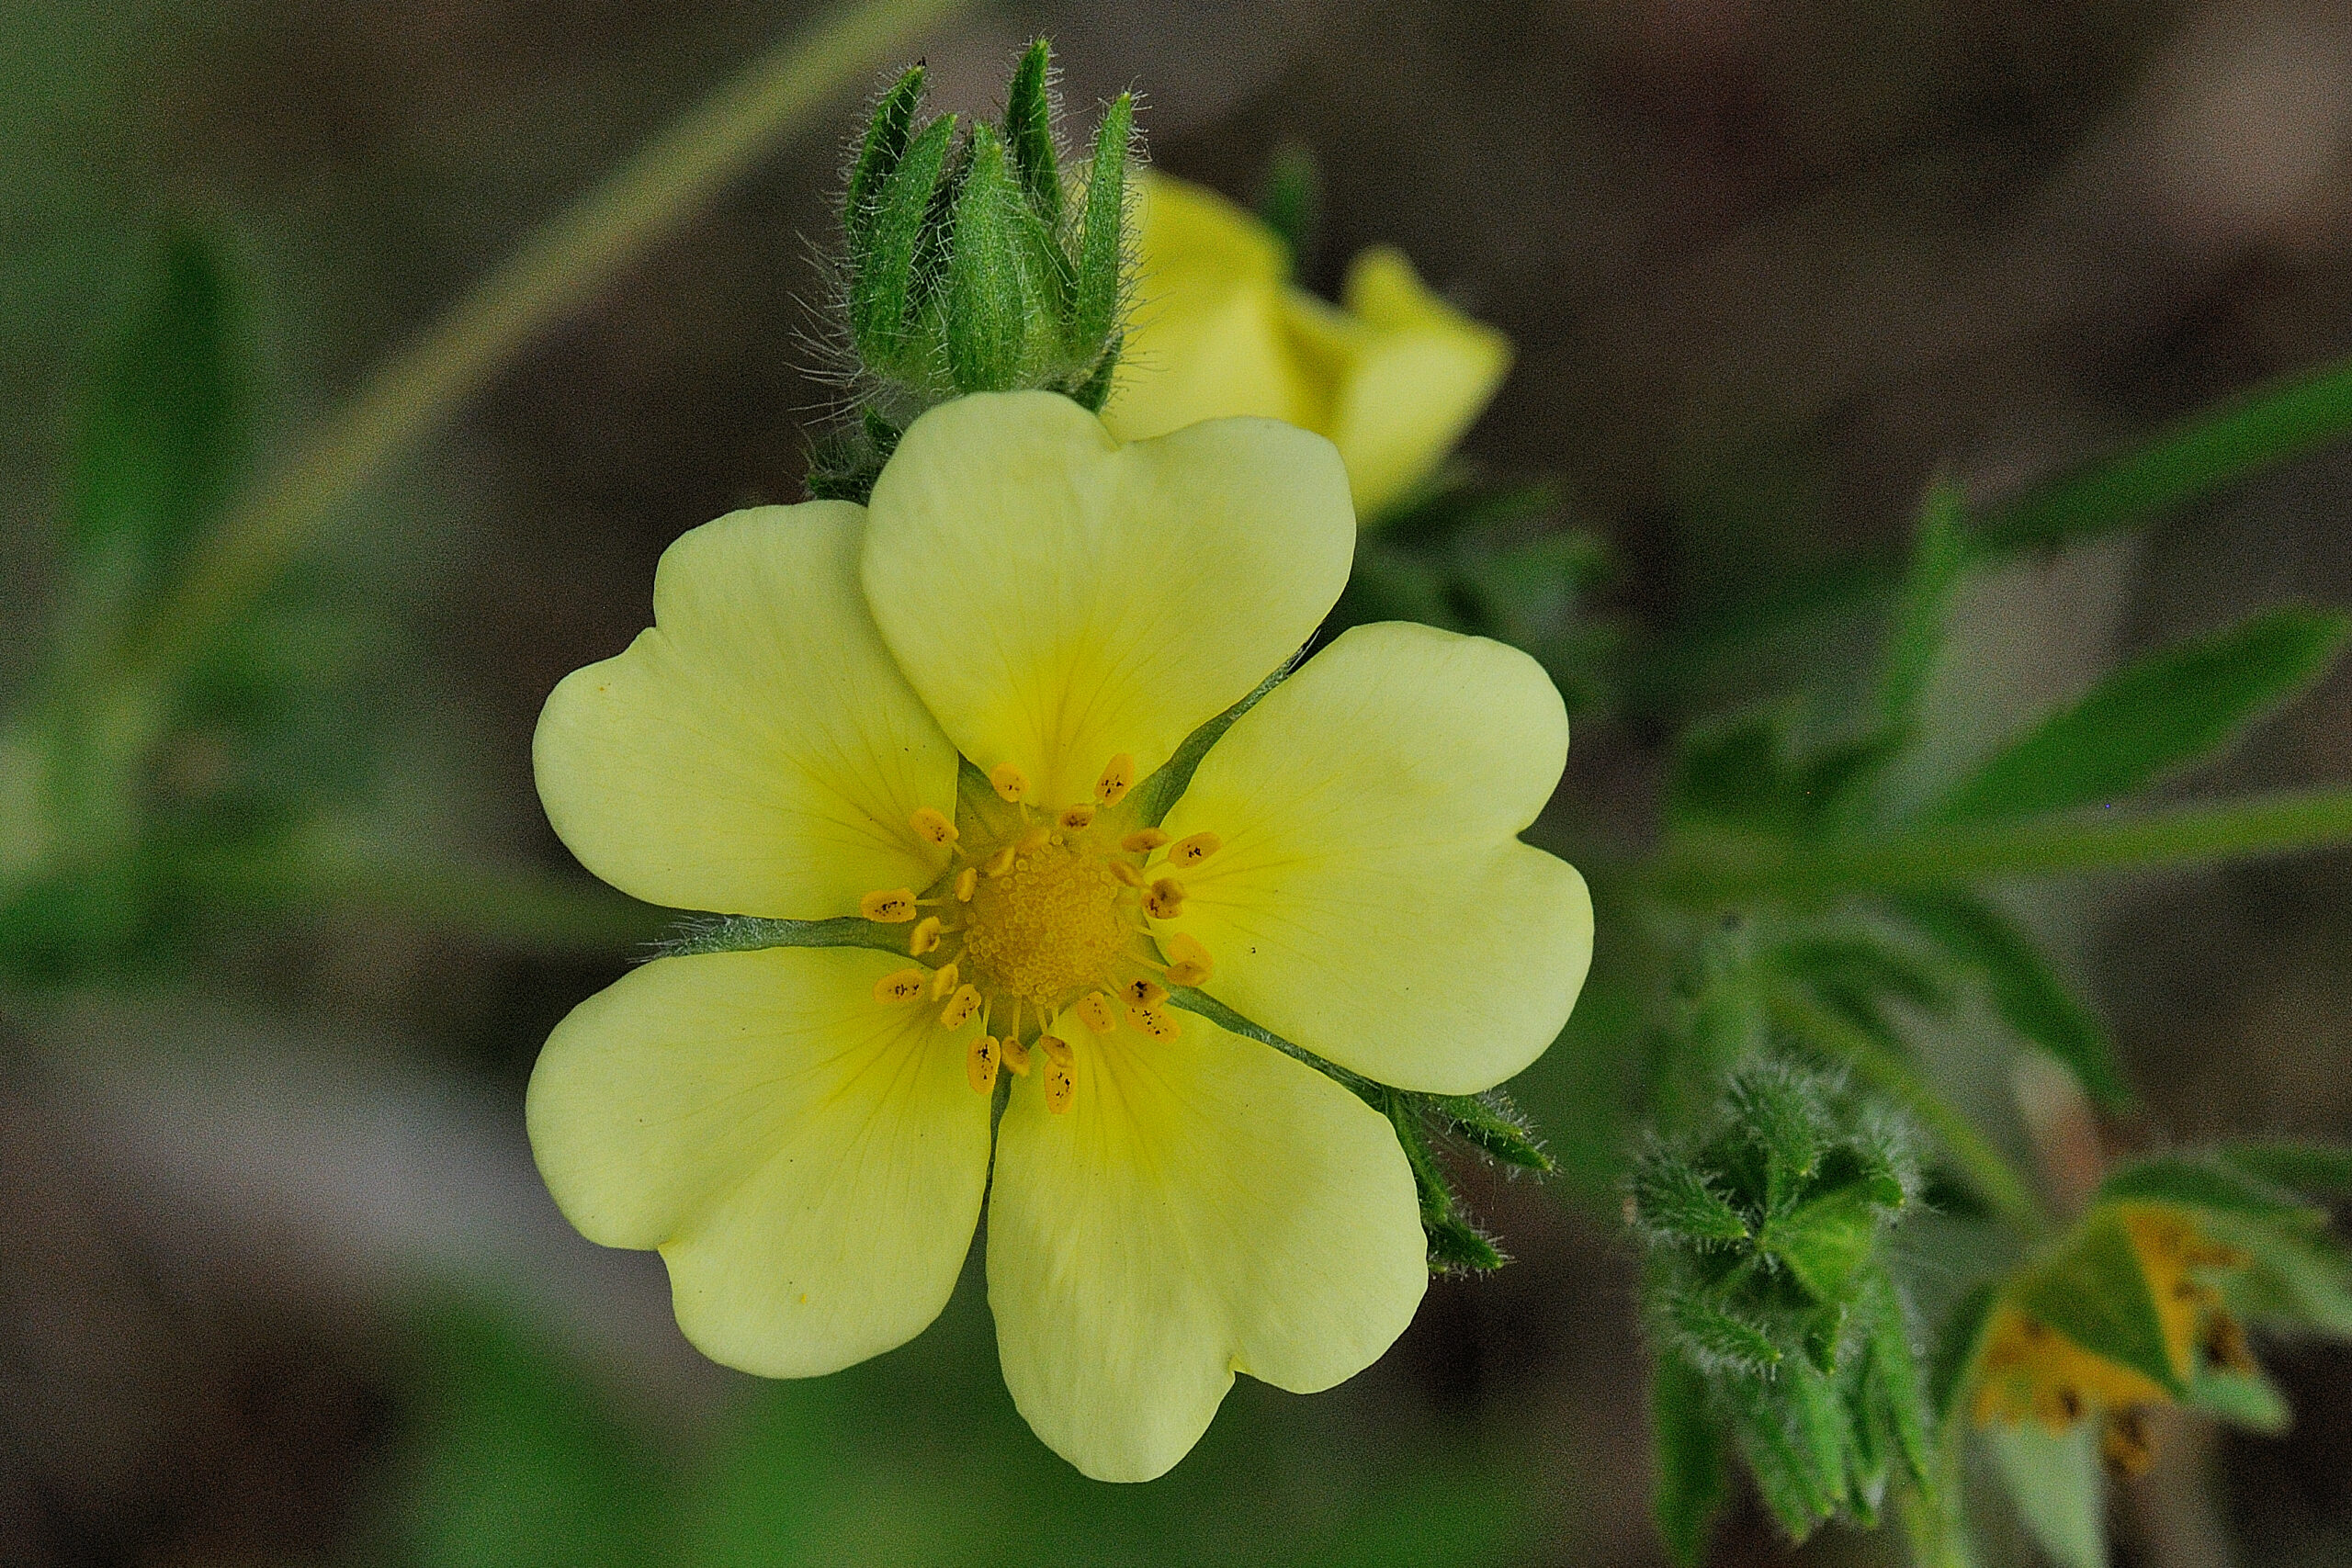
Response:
column 1016, row 1056
column 1097, row 1012
column 1000, row 862
column 1077, row 819
column 1118, row 778
column 943, row 980
column 1057, row 1050
column 1034, row 839
column 1060, row 1085
column 1009, row 781
column 980, row 1064
column 889, row 907
column 966, row 880
column 932, row 826
column 1154, row 1022
column 1143, row 841
column 960, row 1008
column 901, row 986
column 925, row 937
column 1192, row 852
column 1125, row 872
column 1164, row 900
column 1188, row 961
column 1144, row 993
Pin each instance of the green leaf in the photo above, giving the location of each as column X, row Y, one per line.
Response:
column 1719, row 1339
column 2028, row 998
column 991, row 298
column 2298, row 1276
column 1892, row 1376
column 1732, row 772
column 2199, row 1183
column 1824, row 1241
column 1956, row 1347
column 1102, row 243
column 2058, row 1487
column 1292, row 203
column 164, row 434
column 1691, row 1473
column 1029, row 132
column 1795, row 1432
column 2159, row 713
column 2195, row 457
column 1916, row 639
column 1155, row 797
column 883, row 292
column 2096, row 1293
column 1673, row 1202
column 878, row 158
column 2243, row 1399
column 2322, row 1169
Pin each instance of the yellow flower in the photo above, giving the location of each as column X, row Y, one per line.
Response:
column 1393, row 378
column 804, row 1131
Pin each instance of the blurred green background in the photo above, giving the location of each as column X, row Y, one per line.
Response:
column 277, row 1282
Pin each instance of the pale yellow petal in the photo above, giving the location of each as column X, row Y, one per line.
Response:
column 808, row 1160
column 1206, row 1206
column 1059, row 599
column 756, row 751
column 1425, row 373
column 1371, row 900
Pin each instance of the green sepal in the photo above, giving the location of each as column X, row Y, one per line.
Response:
column 1029, row 133
column 1674, row 1202
column 745, row 933
column 1498, row 1129
column 1824, row 1241
column 1103, row 241
column 2022, row 988
column 1095, row 390
column 2174, row 707
column 1692, row 1472
column 1155, row 797
column 2095, row 1293
column 884, row 290
column 991, row 298
column 878, row 158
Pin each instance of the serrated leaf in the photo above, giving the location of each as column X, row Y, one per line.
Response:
column 2024, row 991
column 1673, row 1201
column 1103, row 246
column 1029, row 133
column 1923, row 604
column 164, row 434
column 883, row 291
column 878, row 158
column 2096, row 1293
column 2155, row 715
column 2058, row 1488
column 1692, row 1477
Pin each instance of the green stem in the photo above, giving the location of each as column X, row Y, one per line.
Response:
column 1994, row 1178
column 554, row 273
column 2288, row 822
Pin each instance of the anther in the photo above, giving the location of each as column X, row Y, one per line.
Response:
column 1125, row 872
column 889, row 907
column 1096, row 1011
column 1077, row 819
column 1164, row 900
column 943, row 981
column 980, row 1064
column 1010, row 782
column 1057, row 1050
column 901, row 986
column 1143, row 993
column 925, row 937
column 1192, row 852
column 1060, row 1085
column 1188, row 961
column 1143, row 841
column 960, row 1008
column 1153, row 1021
column 1000, row 862
column 1118, row 778
column 1016, row 1056
column 932, row 826
column 966, row 880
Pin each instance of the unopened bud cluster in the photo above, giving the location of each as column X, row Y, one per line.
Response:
column 977, row 263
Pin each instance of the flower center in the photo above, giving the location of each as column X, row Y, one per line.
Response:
column 1047, row 922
